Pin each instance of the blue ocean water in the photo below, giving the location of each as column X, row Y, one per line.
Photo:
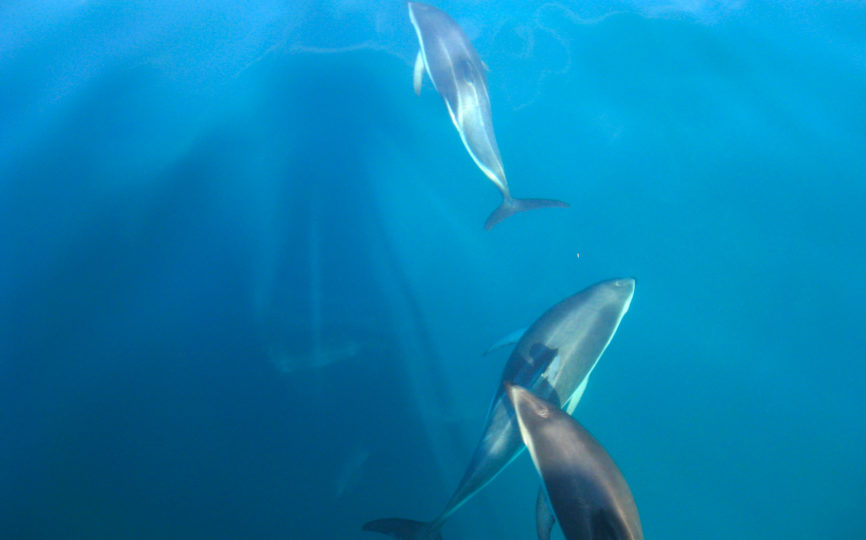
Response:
column 245, row 286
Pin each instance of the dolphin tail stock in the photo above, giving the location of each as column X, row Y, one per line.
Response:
column 510, row 206
column 404, row 529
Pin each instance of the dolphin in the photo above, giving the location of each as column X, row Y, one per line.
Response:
column 586, row 489
column 458, row 74
column 554, row 358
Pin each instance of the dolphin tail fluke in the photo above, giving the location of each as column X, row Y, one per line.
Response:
column 404, row 529
column 509, row 207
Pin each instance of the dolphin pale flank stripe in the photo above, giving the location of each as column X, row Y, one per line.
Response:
column 589, row 495
column 458, row 74
column 553, row 359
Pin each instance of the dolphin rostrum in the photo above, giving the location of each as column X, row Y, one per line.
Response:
column 458, row 74
column 554, row 359
column 586, row 489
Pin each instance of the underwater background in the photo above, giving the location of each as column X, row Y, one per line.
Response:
column 245, row 289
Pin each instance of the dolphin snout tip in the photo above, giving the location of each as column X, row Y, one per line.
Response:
column 512, row 391
column 627, row 283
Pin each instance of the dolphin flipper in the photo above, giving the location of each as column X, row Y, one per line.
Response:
column 418, row 75
column 505, row 341
column 403, row 529
column 509, row 207
column 544, row 516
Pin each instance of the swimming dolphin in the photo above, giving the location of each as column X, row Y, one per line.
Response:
column 458, row 75
column 554, row 358
column 589, row 495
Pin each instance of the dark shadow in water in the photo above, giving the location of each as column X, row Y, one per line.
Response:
column 138, row 392
column 334, row 220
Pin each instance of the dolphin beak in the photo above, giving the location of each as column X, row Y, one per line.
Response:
column 514, row 393
column 625, row 282
column 624, row 288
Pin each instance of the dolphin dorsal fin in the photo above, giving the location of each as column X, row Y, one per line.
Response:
column 418, row 75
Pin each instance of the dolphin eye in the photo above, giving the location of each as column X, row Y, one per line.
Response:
column 543, row 412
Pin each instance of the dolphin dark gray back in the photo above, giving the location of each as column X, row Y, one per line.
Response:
column 589, row 495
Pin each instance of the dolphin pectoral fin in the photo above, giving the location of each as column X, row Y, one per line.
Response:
column 418, row 74
column 403, row 529
column 544, row 516
column 509, row 207
column 506, row 341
